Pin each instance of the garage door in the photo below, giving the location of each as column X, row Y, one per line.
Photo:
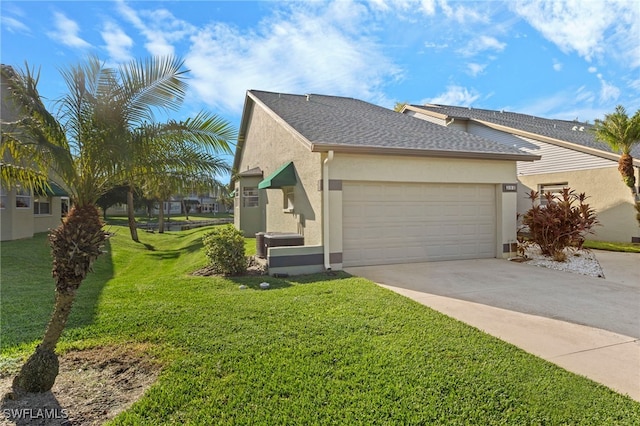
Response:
column 385, row 223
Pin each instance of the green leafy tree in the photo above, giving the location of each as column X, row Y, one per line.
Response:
column 175, row 148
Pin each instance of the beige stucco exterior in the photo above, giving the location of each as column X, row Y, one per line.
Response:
column 352, row 167
column 17, row 223
column 582, row 168
column 268, row 145
column 608, row 195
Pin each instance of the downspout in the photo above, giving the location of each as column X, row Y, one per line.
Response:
column 325, row 210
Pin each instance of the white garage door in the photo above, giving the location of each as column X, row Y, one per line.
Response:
column 385, row 223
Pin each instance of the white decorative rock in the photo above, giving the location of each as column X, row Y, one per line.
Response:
column 264, row 285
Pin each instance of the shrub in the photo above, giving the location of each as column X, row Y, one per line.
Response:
column 563, row 222
column 224, row 246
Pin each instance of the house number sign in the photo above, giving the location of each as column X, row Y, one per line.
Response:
column 509, row 187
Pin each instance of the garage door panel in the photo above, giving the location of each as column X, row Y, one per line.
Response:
column 404, row 222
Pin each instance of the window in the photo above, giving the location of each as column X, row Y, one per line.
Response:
column 250, row 197
column 42, row 205
column 554, row 188
column 23, row 199
column 64, row 206
column 287, row 199
column 4, row 198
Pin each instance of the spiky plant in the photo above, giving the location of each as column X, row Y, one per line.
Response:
column 622, row 133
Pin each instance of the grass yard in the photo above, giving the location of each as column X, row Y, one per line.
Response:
column 311, row 350
column 144, row 219
column 605, row 245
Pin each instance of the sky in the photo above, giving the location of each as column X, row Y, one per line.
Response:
column 571, row 59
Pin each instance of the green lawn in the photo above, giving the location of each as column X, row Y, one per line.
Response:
column 143, row 219
column 311, row 350
column 604, row 245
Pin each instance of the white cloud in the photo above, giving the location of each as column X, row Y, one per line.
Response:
column 159, row 27
column 590, row 28
column 426, row 7
column 608, row 92
column 592, row 70
column 474, row 69
column 557, row 66
column 461, row 14
column 14, row 26
column 455, row 95
column 568, row 104
column 430, row 45
column 118, row 43
column 67, row 32
column 300, row 50
column 483, row 43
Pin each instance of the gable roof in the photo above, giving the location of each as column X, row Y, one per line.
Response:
column 576, row 133
column 349, row 125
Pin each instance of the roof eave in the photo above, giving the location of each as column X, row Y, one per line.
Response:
column 376, row 150
column 570, row 145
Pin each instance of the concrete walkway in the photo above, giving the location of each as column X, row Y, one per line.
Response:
column 524, row 305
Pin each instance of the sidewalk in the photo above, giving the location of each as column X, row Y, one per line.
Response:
column 608, row 358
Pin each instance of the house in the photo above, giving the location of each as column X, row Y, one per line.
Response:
column 571, row 156
column 365, row 185
column 24, row 212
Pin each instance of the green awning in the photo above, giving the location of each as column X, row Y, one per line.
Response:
column 54, row 190
column 284, row 176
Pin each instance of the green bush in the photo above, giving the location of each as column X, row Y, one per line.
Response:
column 562, row 222
column 224, row 246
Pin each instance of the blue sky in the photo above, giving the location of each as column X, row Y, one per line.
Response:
column 556, row 59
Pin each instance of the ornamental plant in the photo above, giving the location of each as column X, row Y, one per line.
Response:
column 562, row 222
column 224, row 246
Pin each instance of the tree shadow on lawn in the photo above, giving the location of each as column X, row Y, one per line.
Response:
column 253, row 281
column 28, row 290
column 193, row 246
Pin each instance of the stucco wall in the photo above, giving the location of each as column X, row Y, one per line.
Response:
column 421, row 169
column 350, row 167
column 43, row 223
column 17, row 223
column 607, row 194
column 249, row 219
column 269, row 145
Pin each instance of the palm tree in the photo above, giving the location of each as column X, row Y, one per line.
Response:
column 32, row 139
column 176, row 148
column 88, row 145
column 621, row 132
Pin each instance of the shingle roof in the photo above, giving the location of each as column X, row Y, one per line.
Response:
column 347, row 122
column 563, row 130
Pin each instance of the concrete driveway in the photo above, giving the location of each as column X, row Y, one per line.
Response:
column 611, row 304
column 590, row 326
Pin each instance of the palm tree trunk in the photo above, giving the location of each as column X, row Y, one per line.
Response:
column 161, row 218
column 39, row 373
column 75, row 245
column 133, row 227
column 625, row 167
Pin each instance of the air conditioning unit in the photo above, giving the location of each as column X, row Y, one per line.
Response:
column 282, row 239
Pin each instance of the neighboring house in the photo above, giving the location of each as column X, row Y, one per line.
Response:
column 23, row 212
column 570, row 157
column 365, row 185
